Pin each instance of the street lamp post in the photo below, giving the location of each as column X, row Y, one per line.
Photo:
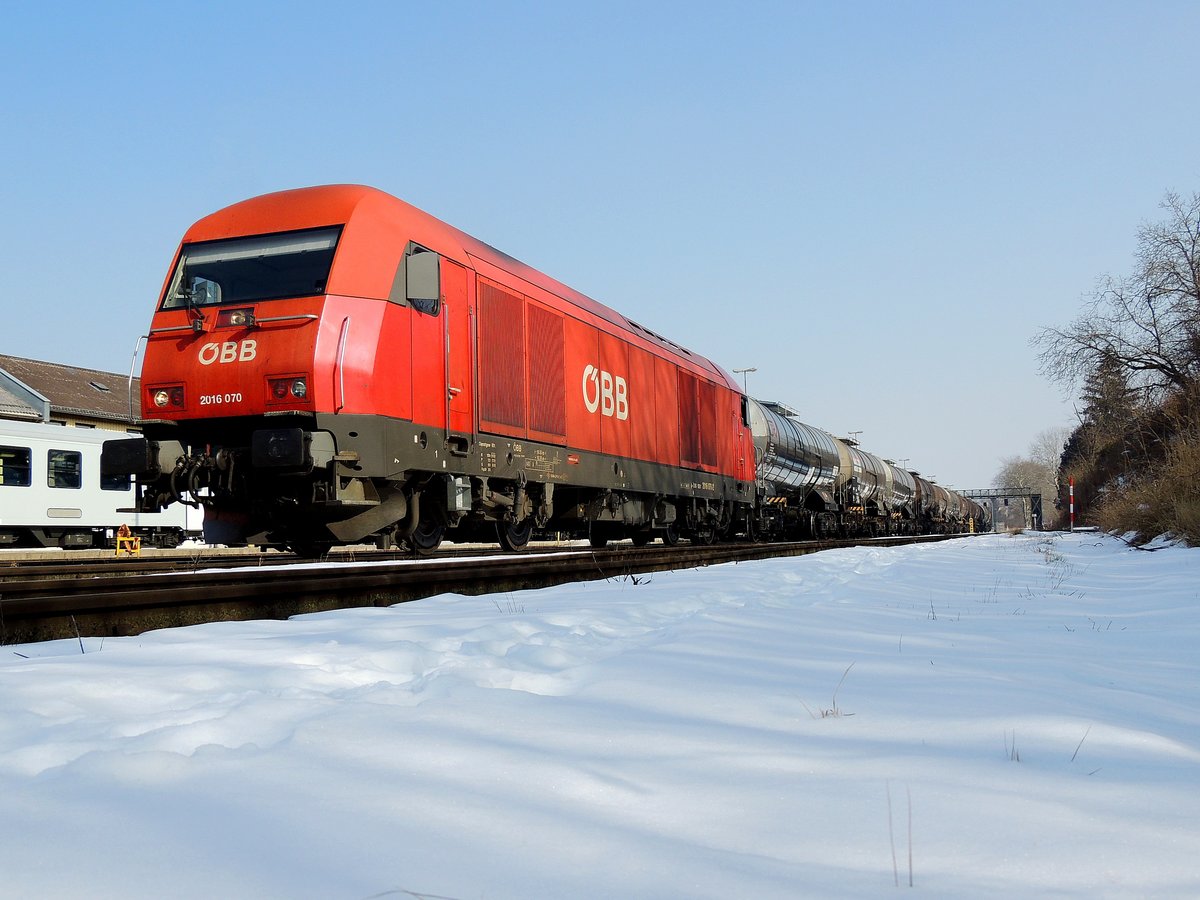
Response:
column 744, row 373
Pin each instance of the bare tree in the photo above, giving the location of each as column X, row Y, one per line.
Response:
column 1027, row 475
column 1147, row 323
column 1036, row 473
column 1047, row 448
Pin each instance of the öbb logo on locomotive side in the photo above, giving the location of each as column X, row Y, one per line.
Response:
column 605, row 392
column 230, row 351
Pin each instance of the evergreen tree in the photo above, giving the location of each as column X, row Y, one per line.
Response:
column 1109, row 403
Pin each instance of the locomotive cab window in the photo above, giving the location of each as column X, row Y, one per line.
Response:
column 14, row 466
column 418, row 280
column 64, row 469
column 244, row 270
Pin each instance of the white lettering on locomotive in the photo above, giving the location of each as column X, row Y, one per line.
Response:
column 230, row 351
column 605, row 392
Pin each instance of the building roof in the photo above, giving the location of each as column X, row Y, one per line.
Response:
column 70, row 390
column 14, row 406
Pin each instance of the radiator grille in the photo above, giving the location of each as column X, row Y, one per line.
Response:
column 689, row 431
column 547, row 392
column 501, row 357
column 708, row 396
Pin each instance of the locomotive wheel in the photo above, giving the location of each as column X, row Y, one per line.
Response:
column 514, row 535
column 705, row 533
column 597, row 540
column 425, row 539
column 752, row 533
column 670, row 537
column 641, row 538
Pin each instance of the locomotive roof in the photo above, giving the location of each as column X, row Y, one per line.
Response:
column 373, row 214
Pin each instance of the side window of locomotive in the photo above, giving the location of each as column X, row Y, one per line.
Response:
column 15, row 466
column 418, row 280
column 64, row 469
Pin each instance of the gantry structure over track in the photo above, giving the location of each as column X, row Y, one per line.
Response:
column 1000, row 498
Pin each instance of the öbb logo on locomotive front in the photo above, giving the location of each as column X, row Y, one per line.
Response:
column 605, row 392
column 230, row 351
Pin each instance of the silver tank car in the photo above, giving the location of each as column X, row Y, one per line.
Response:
column 933, row 506
column 904, row 488
column 877, row 499
column 813, row 484
column 869, row 483
column 799, row 467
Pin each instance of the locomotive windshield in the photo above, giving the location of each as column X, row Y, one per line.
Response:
column 241, row 270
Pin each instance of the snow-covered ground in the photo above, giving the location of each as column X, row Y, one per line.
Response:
column 1005, row 716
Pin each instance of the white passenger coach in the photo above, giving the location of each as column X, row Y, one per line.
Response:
column 53, row 495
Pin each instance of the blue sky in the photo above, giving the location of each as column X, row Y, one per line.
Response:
column 874, row 204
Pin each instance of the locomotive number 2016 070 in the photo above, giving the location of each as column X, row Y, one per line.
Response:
column 218, row 399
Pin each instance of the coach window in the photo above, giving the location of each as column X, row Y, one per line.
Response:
column 14, row 466
column 64, row 469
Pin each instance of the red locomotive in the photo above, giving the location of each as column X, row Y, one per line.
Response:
column 332, row 365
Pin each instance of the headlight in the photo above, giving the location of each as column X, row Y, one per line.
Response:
column 164, row 397
column 280, row 390
column 236, row 318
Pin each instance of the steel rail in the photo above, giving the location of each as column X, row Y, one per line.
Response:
column 71, row 564
column 45, row 609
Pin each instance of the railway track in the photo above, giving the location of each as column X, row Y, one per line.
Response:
column 129, row 597
column 65, row 564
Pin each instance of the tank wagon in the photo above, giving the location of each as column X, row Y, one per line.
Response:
column 332, row 365
column 812, row 484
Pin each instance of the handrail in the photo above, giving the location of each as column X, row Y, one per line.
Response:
column 339, row 368
column 132, row 365
column 288, row 318
column 257, row 321
column 450, row 392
